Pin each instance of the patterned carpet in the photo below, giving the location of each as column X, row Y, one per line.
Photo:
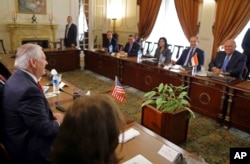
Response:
column 205, row 137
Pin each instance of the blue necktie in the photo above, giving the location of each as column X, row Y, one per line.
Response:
column 189, row 57
column 224, row 66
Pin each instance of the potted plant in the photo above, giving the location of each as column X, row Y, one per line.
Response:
column 166, row 111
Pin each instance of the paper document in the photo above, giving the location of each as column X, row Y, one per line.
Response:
column 178, row 67
column 128, row 135
column 50, row 94
column 139, row 159
column 45, row 89
column 62, row 84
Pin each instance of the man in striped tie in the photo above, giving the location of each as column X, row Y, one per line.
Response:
column 187, row 54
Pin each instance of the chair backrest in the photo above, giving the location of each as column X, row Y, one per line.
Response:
column 2, row 83
column 120, row 47
column 4, row 71
column 245, row 73
column 4, row 155
column 176, row 51
column 149, row 47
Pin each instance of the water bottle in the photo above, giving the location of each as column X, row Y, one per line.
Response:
column 139, row 56
column 248, row 77
column 194, row 71
column 161, row 60
column 55, row 84
column 110, row 48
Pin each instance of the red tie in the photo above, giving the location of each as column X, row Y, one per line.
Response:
column 40, row 86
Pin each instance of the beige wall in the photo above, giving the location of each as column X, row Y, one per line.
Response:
column 126, row 11
column 59, row 8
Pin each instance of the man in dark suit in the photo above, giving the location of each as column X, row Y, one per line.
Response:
column 70, row 33
column 246, row 47
column 132, row 47
column 110, row 43
column 230, row 61
column 187, row 54
column 29, row 126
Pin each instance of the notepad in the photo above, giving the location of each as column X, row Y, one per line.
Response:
column 128, row 135
column 177, row 67
column 50, row 94
column 45, row 89
column 139, row 159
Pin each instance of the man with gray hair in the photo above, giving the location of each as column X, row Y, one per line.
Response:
column 29, row 126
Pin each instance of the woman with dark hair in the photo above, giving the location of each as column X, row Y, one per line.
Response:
column 162, row 53
column 89, row 133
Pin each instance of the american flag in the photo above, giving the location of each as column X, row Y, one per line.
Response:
column 118, row 92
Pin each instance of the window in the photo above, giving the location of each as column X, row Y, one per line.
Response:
column 240, row 37
column 83, row 27
column 167, row 25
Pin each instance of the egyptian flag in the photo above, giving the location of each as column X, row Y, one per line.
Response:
column 194, row 60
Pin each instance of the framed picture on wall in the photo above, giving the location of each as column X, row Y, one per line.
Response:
column 31, row 6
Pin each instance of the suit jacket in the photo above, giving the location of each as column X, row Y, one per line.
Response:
column 200, row 56
column 134, row 50
column 246, row 48
column 114, row 43
column 246, row 44
column 72, row 34
column 166, row 53
column 28, row 125
column 235, row 65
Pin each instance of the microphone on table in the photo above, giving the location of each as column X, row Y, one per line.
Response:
column 75, row 94
column 60, row 89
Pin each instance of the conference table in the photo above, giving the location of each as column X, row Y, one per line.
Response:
column 65, row 59
column 238, row 111
column 217, row 98
column 147, row 143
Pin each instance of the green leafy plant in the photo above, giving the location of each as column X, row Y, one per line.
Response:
column 168, row 98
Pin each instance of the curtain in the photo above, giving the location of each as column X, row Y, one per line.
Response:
column 231, row 18
column 188, row 11
column 148, row 13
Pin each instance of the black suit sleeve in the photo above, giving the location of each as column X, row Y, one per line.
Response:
column 135, row 49
column 246, row 43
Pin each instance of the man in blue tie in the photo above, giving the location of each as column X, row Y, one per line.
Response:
column 229, row 61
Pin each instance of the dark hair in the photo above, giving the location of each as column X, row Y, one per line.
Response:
column 165, row 41
column 89, row 133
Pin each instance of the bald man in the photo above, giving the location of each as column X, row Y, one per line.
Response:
column 229, row 60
